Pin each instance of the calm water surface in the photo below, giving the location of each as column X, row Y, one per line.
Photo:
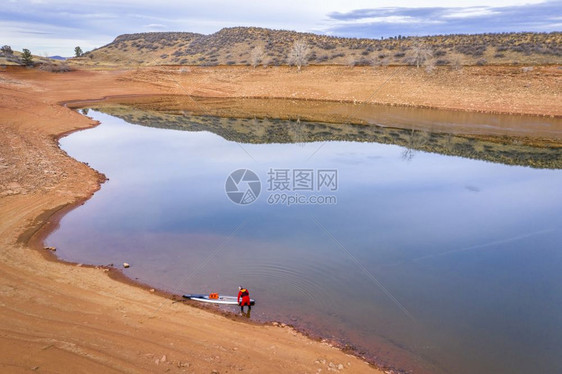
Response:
column 429, row 262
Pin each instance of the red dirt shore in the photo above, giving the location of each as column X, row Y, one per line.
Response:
column 60, row 317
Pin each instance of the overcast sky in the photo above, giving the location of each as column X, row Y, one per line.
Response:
column 55, row 27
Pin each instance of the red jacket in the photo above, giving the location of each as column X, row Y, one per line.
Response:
column 244, row 295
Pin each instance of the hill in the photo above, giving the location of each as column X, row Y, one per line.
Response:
column 235, row 46
column 14, row 58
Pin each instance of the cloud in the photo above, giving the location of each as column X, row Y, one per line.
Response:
column 156, row 26
column 36, row 32
column 36, row 24
column 95, row 23
column 391, row 21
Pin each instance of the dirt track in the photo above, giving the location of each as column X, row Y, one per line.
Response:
column 67, row 318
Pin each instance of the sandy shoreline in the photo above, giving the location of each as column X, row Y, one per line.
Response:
column 76, row 316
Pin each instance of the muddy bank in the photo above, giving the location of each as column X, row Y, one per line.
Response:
column 57, row 313
column 74, row 317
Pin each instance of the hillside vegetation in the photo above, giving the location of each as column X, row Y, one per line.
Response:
column 16, row 58
column 237, row 46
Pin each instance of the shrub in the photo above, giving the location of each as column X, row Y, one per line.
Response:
column 362, row 62
column 456, row 63
column 429, row 65
column 420, row 53
column 298, row 55
column 7, row 50
column 472, row 50
column 26, row 57
column 256, row 56
column 52, row 67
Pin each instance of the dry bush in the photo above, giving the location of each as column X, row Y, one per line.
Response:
column 429, row 65
column 420, row 53
column 362, row 61
column 472, row 50
column 51, row 67
column 456, row 63
column 298, row 55
column 256, row 56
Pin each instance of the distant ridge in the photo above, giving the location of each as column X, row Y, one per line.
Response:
column 60, row 58
column 234, row 46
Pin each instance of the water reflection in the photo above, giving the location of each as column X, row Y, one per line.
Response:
column 443, row 264
column 265, row 130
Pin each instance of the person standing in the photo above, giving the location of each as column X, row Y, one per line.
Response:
column 244, row 298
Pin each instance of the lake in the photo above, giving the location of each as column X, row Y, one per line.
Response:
column 423, row 251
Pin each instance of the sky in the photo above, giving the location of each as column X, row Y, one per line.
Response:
column 55, row 27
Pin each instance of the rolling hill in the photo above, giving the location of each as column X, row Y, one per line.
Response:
column 235, row 46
